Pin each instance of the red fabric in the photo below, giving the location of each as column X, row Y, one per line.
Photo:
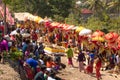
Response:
column 89, row 69
column 38, row 69
column 34, row 36
column 97, row 33
column 57, row 36
column 29, row 72
column 2, row 30
column 70, row 61
column 98, row 66
column 111, row 37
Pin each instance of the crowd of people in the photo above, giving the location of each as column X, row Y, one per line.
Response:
column 40, row 66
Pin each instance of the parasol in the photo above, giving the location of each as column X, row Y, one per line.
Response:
column 79, row 29
column 112, row 36
column 85, row 32
column 97, row 33
column 98, row 38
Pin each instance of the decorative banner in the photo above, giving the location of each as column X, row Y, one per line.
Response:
column 9, row 17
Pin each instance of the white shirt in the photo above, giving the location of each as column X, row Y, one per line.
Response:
column 117, row 59
column 50, row 78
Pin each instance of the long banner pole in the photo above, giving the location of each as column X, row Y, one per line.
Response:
column 5, row 27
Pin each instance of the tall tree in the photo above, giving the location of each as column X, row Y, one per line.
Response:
column 42, row 7
column 114, row 7
column 95, row 6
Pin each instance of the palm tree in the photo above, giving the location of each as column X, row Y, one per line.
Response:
column 96, row 6
column 114, row 7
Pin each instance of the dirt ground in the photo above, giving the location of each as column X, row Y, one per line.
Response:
column 74, row 74
column 8, row 73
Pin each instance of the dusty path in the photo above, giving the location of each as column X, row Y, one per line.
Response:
column 74, row 74
column 8, row 73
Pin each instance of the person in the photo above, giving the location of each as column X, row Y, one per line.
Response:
column 98, row 64
column 41, row 48
column 19, row 39
column 28, row 71
column 3, row 47
column 89, row 68
column 50, row 63
column 92, row 55
column 32, row 63
column 81, row 59
column 25, row 46
column 69, row 52
column 34, row 36
column 41, row 75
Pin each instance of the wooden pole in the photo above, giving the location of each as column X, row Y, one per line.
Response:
column 5, row 26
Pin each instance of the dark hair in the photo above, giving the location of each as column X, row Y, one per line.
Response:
column 68, row 46
column 49, row 58
column 43, row 67
column 18, row 31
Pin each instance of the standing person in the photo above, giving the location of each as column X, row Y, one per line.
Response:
column 19, row 39
column 69, row 55
column 81, row 59
column 3, row 47
column 98, row 64
column 25, row 46
column 34, row 36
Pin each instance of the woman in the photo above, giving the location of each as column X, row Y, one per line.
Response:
column 98, row 64
column 69, row 55
column 3, row 47
column 81, row 59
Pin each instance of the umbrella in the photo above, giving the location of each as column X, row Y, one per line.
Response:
column 79, row 29
column 14, row 32
column 98, row 38
column 70, row 27
column 112, row 36
column 85, row 32
column 98, row 33
column 74, row 28
column 25, row 35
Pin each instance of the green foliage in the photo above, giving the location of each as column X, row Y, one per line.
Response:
column 114, row 24
column 95, row 24
column 58, row 18
column 67, row 11
column 6, row 1
column 71, row 20
column 43, row 8
column 15, row 55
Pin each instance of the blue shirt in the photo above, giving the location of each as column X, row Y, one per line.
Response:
column 33, row 63
column 24, row 48
column 92, row 55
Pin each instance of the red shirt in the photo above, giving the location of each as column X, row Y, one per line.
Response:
column 34, row 36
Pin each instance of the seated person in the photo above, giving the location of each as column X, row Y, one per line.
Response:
column 50, row 63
